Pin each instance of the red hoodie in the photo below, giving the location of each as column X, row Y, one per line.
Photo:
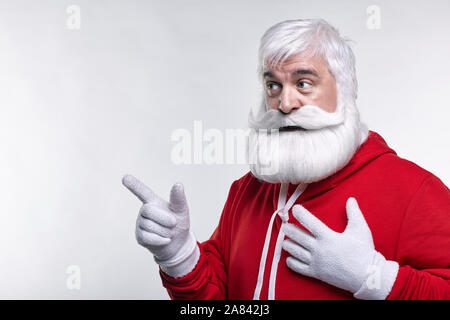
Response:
column 406, row 207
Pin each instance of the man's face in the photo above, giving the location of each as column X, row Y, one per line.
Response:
column 300, row 81
column 318, row 133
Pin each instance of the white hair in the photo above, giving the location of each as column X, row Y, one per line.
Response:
column 314, row 37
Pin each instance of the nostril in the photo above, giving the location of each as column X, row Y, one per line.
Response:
column 285, row 113
column 287, row 108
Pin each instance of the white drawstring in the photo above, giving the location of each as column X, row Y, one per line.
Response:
column 262, row 262
column 283, row 211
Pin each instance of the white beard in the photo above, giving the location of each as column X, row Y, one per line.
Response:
column 328, row 144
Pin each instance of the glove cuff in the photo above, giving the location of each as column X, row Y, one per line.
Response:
column 381, row 277
column 184, row 261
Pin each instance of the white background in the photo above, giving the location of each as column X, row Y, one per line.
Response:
column 80, row 108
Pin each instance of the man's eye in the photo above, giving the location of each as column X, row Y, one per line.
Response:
column 304, row 84
column 272, row 88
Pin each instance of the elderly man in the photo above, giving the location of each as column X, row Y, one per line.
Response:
column 338, row 216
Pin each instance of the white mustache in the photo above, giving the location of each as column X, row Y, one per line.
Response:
column 307, row 117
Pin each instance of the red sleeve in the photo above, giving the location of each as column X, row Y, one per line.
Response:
column 424, row 245
column 208, row 280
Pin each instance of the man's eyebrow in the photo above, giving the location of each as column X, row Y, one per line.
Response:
column 295, row 73
column 305, row 71
column 268, row 74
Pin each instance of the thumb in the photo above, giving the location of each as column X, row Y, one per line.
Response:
column 178, row 202
column 357, row 225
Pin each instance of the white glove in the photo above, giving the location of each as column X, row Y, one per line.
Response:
column 345, row 260
column 163, row 228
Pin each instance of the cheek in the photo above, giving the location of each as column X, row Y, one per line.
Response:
column 272, row 103
column 328, row 99
column 332, row 103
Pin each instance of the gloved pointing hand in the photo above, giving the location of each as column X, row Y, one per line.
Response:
column 163, row 228
column 345, row 260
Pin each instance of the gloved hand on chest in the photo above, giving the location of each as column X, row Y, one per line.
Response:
column 346, row 260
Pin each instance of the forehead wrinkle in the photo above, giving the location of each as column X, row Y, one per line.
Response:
column 297, row 72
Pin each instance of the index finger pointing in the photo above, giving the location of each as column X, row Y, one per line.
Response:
column 138, row 188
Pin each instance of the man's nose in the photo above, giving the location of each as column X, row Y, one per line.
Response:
column 289, row 101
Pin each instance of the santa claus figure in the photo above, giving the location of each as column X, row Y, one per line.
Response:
column 328, row 209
